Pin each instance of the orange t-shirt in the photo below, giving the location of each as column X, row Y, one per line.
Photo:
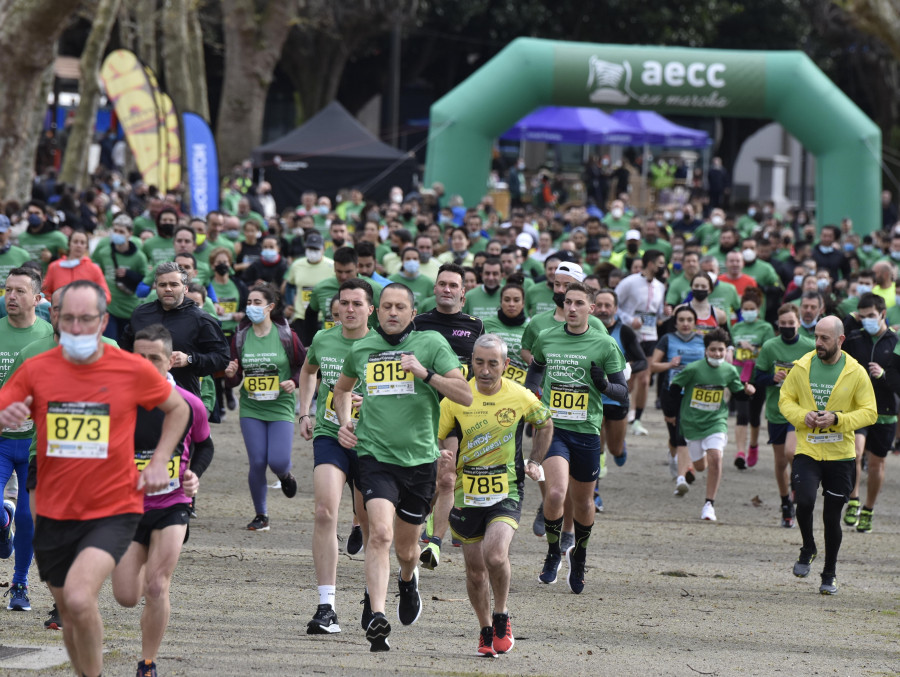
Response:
column 741, row 283
column 85, row 416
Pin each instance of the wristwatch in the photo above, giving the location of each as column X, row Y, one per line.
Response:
column 428, row 376
column 190, row 359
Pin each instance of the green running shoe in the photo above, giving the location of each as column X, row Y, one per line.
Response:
column 865, row 522
column 851, row 514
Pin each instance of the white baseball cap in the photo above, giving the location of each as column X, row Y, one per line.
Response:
column 573, row 270
column 633, row 234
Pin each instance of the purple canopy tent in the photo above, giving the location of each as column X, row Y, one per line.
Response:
column 580, row 126
column 662, row 132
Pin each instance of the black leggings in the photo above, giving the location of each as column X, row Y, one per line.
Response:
column 748, row 411
column 837, row 479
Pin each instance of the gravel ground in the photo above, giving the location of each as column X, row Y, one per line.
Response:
column 666, row 594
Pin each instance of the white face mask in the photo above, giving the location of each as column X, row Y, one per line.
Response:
column 313, row 255
column 715, row 361
column 718, row 221
column 78, row 347
column 617, row 212
column 749, row 255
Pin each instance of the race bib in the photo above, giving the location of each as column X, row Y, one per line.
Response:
column 484, row 485
column 513, row 373
column 142, row 458
column 784, row 368
column 568, row 402
column 328, row 324
column 707, row 398
column 305, row 296
column 77, row 430
column 826, row 437
column 229, row 306
column 744, row 354
column 262, row 385
column 385, row 376
column 2, row 292
column 331, row 414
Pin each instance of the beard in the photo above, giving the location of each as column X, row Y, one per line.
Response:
column 825, row 354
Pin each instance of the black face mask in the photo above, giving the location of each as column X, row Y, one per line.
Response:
column 166, row 229
column 222, row 268
column 632, row 248
column 559, row 298
column 700, row 294
column 787, row 333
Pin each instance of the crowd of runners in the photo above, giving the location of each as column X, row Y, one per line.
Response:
column 443, row 361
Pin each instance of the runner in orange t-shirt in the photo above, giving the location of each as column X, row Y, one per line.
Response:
column 83, row 397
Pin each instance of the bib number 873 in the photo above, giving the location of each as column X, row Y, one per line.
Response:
column 77, row 428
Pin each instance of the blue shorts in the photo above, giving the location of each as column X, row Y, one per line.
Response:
column 778, row 432
column 328, row 450
column 581, row 450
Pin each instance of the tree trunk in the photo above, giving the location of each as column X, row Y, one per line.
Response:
column 74, row 169
column 25, row 179
column 197, row 62
column 28, row 32
column 253, row 43
column 174, row 53
column 145, row 17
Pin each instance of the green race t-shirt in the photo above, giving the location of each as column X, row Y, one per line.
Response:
column 546, row 320
column 754, row 334
column 229, row 301
column 12, row 341
column 265, row 366
column 422, row 287
column 122, row 303
column 822, row 378
column 328, row 351
column 704, row 409
column 322, row 293
column 568, row 390
column 512, row 336
column 398, row 421
column 11, row 258
column 158, row 250
column 481, row 304
column 539, row 299
column 54, row 241
column 774, row 356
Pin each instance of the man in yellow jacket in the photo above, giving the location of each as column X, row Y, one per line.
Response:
column 827, row 396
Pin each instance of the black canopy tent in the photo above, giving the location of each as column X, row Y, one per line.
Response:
column 332, row 150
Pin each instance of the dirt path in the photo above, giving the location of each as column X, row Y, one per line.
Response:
column 665, row 593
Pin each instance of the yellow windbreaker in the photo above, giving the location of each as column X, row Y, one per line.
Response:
column 852, row 398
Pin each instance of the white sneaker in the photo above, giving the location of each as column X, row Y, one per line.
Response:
column 708, row 513
column 673, row 466
column 681, row 487
column 637, row 428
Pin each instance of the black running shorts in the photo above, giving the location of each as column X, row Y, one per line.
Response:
column 160, row 518
column 409, row 489
column 470, row 524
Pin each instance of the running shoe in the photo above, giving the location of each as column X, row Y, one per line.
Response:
column 575, row 579
column 455, row 542
column 538, row 525
column 259, row 523
column 865, row 522
column 367, row 614
column 430, row 556
column 288, row 485
column 54, row 622
column 787, row 515
column 410, row 605
column 229, row 399
column 325, row 621
column 552, row 564
column 708, row 513
column 752, row 456
column 146, row 669
column 804, row 563
column 681, row 487
column 428, row 531
column 740, row 461
column 377, row 633
column 637, row 428
column 486, row 642
column 566, row 540
column 829, row 584
column 18, row 598
column 620, row 460
column 354, row 540
column 598, row 502
column 6, row 533
column 503, row 636
column 673, row 466
column 851, row 514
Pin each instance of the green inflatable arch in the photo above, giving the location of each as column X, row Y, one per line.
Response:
column 784, row 86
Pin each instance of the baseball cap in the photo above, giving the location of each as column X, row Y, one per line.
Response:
column 633, row 235
column 4, row 223
column 314, row 241
column 524, row 240
column 573, row 270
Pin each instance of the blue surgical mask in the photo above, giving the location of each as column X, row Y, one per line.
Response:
column 269, row 255
column 809, row 325
column 849, row 247
column 750, row 315
column 232, row 234
column 118, row 239
column 256, row 314
column 34, row 220
column 822, row 284
column 323, row 209
column 825, row 250
column 78, row 347
column 605, row 253
column 676, row 265
column 862, row 289
column 867, row 248
column 411, row 266
column 798, row 280
column 871, row 324
column 895, row 256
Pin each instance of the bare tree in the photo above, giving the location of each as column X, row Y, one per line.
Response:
column 74, row 169
column 327, row 35
column 880, row 18
column 29, row 30
column 185, row 69
column 255, row 31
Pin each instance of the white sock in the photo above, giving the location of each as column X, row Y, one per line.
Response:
column 326, row 595
column 680, row 480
